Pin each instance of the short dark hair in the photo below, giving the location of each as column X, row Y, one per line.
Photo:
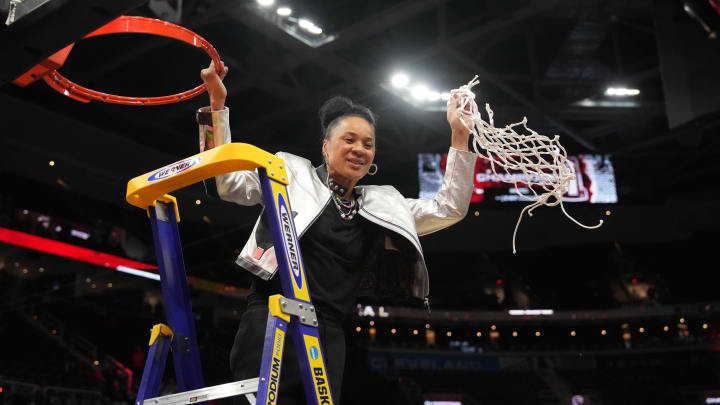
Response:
column 339, row 107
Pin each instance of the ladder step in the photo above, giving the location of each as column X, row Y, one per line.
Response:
column 206, row 394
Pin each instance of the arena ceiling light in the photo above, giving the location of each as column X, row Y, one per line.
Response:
column 284, row 11
column 302, row 29
column 621, row 92
column 615, row 97
column 417, row 93
column 309, row 26
column 400, row 80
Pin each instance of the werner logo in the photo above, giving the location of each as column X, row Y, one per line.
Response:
column 175, row 168
column 291, row 245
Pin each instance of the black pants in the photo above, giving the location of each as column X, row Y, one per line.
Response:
column 246, row 354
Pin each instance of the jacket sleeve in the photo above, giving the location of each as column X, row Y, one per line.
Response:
column 451, row 203
column 241, row 187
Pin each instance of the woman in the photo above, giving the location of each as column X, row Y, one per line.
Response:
column 354, row 239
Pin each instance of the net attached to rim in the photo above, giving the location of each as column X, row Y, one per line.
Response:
column 537, row 162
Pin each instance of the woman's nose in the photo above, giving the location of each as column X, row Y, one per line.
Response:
column 358, row 149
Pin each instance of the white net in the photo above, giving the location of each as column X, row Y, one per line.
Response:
column 535, row 161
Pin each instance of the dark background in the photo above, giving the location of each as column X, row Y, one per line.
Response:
column 657, row 248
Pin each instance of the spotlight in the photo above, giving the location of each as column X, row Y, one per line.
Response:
column 393, row 331
column 284, row 11
column 621, row 92
column 419, row 92
column 400, row 80
column 433, row 96
column 603, row 332
column 515, row 334
column 266, row 3
column 51, row 163
column 572, row 333
column 309, row 26
column 198, row 202
column 445, row 96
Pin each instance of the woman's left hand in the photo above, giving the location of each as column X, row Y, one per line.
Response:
column 460, row 133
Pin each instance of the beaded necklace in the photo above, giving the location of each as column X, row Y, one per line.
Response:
column 347, row 209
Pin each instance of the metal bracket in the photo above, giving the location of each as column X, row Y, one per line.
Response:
column 161, row 211
column 183, row 343
column 304, row 311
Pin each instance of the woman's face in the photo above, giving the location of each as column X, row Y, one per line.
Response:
column 349, row 150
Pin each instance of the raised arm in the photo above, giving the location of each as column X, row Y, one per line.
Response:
column 451, row 203
column 241, row 187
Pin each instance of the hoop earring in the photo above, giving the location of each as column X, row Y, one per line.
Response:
column 373, row 165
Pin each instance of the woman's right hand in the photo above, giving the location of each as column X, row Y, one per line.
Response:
column 215, row 87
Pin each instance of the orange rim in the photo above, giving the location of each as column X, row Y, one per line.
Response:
column 137, row 25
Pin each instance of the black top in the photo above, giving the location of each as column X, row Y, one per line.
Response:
column 335, row 251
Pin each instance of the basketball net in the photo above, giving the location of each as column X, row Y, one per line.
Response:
column 532, row 160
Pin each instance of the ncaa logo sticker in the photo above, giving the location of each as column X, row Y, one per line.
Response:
column 314, row 353
column 291, row 245
column 175, row 168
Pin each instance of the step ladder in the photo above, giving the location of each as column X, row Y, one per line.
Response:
column 292, row 312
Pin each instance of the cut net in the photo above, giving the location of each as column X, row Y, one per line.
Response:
column 532, row 160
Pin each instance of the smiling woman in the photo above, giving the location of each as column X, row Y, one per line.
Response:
column 348, row 142
column 364, row 243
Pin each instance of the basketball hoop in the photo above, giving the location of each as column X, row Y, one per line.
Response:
column 47, row 69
